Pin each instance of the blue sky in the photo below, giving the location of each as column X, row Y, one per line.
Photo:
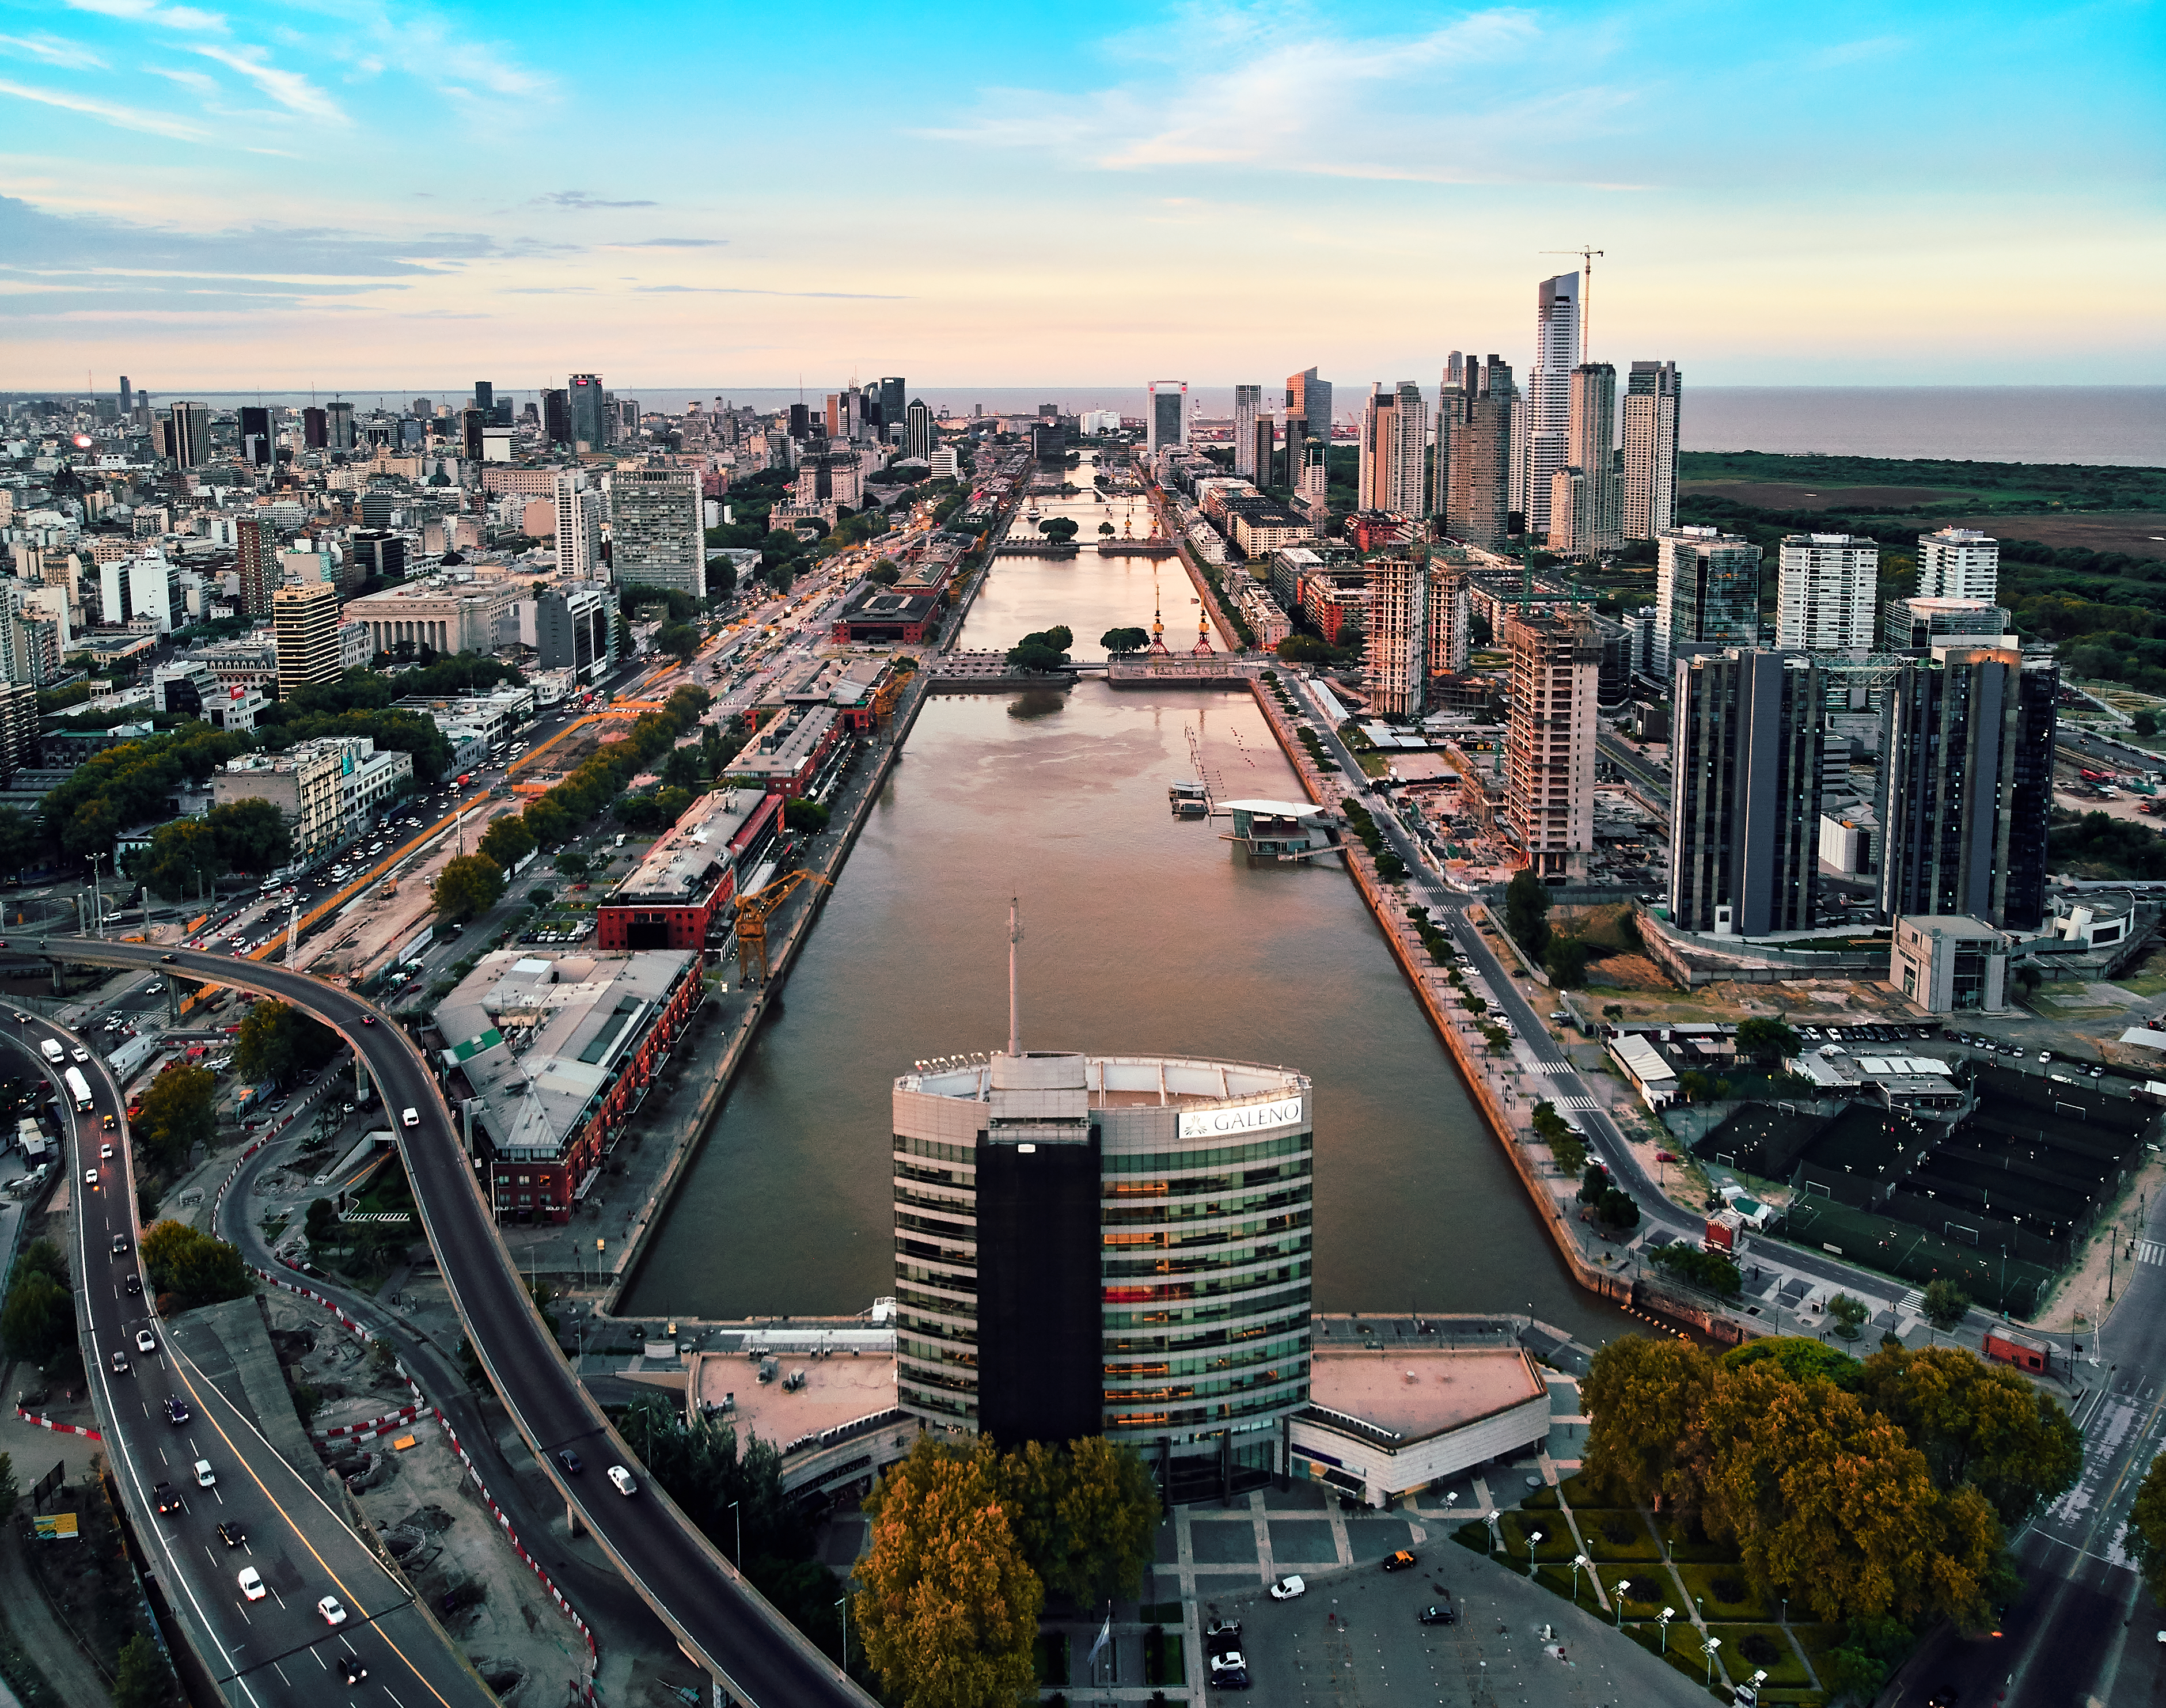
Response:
column 362, row 193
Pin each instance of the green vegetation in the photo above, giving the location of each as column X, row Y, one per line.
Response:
column 1302, row 647
column 1707, row 1270
column 1566, row 1146
column 468, row 886
column 1045, row 651
column 1526, row 914
column 551, row 819
column 192, row 1267
column 174, row 1115
column 141, row 1680
column 275, row 1042
column 1879, row 1491
column 1766, row 1041
column 2014, row 486
column 1127, row 640
column 1946, row 1304
column 37, row 1321
column 2091, row 845
column 188, row 855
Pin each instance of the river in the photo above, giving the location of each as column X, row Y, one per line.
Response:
column 1141, row 934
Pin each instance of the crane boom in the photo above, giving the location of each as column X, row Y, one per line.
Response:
column 752, row 911
column 1585, row 297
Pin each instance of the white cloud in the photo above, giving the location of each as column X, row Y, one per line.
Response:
column 195, row 82
column 51, row 50
column 289, row 89
column 110, row 113
column 185, row 18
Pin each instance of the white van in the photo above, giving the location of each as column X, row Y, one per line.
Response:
column 52, row 1052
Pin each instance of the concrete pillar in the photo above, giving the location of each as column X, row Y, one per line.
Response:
column 571, row 1519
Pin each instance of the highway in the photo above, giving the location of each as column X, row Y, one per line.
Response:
column 719, row 1619
column 279, row 1648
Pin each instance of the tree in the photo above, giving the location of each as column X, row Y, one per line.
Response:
column 1617, row 1209
column 1526, row 913
column 22, row 844
column 884, row 573
column 275, row 1042
column 468, row 885
column 809, row 816
column 1126, row 640
column 38, row 1320
column 573, row 863
column 1645, row 1399
column 196, row 1267
column 141, row 1678
column 1565, row 961
column 40, row 1257
column 182, row 860
column 2146, row 1540
column 679, row 638
column 1978, row 1424
column 176, row 1114
column 1946, row 1304
column 949, row 1610
column 10, row 1490
column 507, row 841
column 253, row 836
column 321, row 1221
column 1084, row 1516
column 1846, row 1314
column 1105, row 531
column 1710, row 1270
column 1766, row 1041
column 1060, row 530
column 2144, row 724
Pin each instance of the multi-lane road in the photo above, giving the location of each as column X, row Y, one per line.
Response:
column 164, row 1418
column 751, row 1651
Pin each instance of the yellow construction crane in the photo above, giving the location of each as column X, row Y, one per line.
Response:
column 752, row 911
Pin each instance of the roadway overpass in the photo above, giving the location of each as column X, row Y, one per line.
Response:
column 719, row 1619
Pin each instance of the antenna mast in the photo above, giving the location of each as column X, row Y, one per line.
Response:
column 1015, row 937
column 1586, row 299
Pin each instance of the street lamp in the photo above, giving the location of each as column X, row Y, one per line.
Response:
column 1622, row 1584
column 1580, row 1562
column 1667, row 1616
column 1534, row 1536
column 844, row 1604
column 1496, row 1531
column 739, row 1562
column 1712, row 1644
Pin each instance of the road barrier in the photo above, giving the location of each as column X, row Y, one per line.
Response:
column 58, row 1429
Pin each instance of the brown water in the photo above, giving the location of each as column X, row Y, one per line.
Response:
column 1142, row 933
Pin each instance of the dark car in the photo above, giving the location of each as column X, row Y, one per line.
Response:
column 1399, row 1562
column 571, row 1461
column 233, row 1533
column 176, row 1412
column 133, row 1284
column 120, row 1244
column 166, row 1497
column 354, row 1672
column 1438, row 1615
column 1221, row 1636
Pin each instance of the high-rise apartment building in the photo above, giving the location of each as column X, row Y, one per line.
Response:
column 579, row 510
column 918, row 433
column 1966, row 786
column 1958, row 563
column 1449, row 611
column 258, row 449
column 1474, row 440
column 1707, row 593
column 1545, row 423
column 1397, row 637
column 585, row 416
column 1265, row 451
column 1248, row 401
column 655, row 537
column 315, row 429
column 338, row 426
column 1038, row 1197
column 304, row 626
column 1745, row 792
column 1549, row 739
column 1916, row 624
column 1393, row 471
column 1824, row 592
column 1166, row 421
column 255, row 559
column 1584, row 497
column 190, row 431
column 1651, row 397
column 1307, row 421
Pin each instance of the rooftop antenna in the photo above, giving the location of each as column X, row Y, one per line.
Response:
column 1015, row 937
column 1585, row 297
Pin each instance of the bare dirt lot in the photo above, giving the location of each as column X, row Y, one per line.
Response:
column 1782, row 494
column 2140, row 533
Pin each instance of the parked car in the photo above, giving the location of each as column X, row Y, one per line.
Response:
column 1440, row 1614
column 1400, row 1561
column 1287, row 1588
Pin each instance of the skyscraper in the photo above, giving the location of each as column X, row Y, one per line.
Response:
column 1966, row 786
column 892, row 425
column 471, row 422
column 1308, row 420
column 257, row 445
column 485, row 399
column 1745, row 796
column 127, row 397
column 918, row 430
column 1167, row 421
column 1707, row 593
column 1399, row 637
column 556, row 417
column 1824, row 596
column 315, row 429
column 1037, row 1195
column 1583, row 493
column 1545, row 431
column 655, row 537
column 1651, row 396
column 256, row 561
column 1265, row 451
column 191, row 434
column 338, row 426
column 1248, row 400
column 1549, row 739
column 1393, row 473
column 304, row 626
column 1474, row 439
column 588, row 419
column 578, row 527
column 1958, row 563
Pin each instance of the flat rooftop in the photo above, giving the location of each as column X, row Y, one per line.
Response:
column 692, row 854
column 1422, row 1391
column 1117, row 1081
column 838, row 1390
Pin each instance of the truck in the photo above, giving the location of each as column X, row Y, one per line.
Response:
column 1726, row 1234
column 52, row 1052
column 78, row 1090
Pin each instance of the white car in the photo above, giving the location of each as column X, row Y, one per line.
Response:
column 79, row 1054
column 205, row 1476
column 251, row 1583
column 411, row 1118
column 106, row 1152
column 333, row 1609
column 146, row 1341
column 1287, row 1587
column 623, row 1480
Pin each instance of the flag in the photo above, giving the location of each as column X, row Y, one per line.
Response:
column 1104, row 1637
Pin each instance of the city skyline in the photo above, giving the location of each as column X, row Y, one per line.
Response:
column 223, row 198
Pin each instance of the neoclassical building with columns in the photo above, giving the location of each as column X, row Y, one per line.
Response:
column 470, row 616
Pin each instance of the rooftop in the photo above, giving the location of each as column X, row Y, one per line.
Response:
column 1111, row 1080
column 686, row 864
column 1415, row 1393
column 840, row 1388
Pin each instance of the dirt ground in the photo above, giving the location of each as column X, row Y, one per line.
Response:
column 1778, row 494
column 2140, row 533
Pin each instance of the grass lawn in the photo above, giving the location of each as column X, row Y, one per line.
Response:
column 1818, row 1642
column 1557, row 1542
column 1683, row 1651
column 1700, row 1580
column 1616, row 1533
column 1786, row 1671
column 1539, row 1500
column 1558, row 1581
column 1579, row 1490
column 1652, row 1590
column 1686, row 1547
column 2151, row 985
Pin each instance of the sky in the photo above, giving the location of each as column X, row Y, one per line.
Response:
column 363, row 194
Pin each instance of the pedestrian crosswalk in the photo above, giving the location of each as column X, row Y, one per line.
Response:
column 2150, row 1251
column 1554, row 1069
column 1913, row 1301
column 1579, row 1106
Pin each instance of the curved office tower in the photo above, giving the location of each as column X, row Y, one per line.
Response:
column 1108, row 1245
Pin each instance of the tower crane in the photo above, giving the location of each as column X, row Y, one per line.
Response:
column 752, row 913
column 1586, row 296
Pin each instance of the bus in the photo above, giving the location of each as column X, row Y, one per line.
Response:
column 79, row 1089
